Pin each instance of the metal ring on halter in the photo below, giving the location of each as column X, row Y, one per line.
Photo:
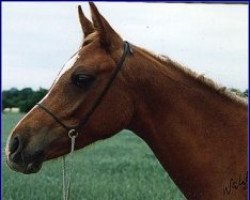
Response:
column 72, row 133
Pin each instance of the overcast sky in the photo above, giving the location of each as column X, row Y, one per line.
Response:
column 39, row 37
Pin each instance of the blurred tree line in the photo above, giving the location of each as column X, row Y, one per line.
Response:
column 26, row 98
column 238, row 92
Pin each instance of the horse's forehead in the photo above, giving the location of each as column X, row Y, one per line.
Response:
column 86, row 54
column 77, row 57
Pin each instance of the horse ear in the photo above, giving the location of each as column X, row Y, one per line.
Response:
column 108, row 37
column 87, row 26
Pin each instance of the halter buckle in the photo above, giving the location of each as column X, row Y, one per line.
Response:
column 72, row 133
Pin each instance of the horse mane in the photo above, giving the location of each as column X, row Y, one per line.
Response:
column 222, row 90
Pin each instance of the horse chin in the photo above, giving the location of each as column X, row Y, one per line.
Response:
column 32, row 167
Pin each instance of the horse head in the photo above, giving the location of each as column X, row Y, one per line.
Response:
column 39, row 137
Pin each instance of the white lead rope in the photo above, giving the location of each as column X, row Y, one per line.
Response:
column 67, row 177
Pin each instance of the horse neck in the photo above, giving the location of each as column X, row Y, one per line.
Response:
column 198, row 134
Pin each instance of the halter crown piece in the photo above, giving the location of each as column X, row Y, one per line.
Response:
column 73, row 131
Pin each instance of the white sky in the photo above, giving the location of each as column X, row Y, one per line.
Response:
column 39, row 37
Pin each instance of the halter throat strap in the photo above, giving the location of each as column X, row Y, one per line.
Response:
column 73, row 130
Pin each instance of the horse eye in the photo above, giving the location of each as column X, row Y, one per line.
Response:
column 83, row 80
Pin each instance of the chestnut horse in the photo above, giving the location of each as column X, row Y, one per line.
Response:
column 197, row 130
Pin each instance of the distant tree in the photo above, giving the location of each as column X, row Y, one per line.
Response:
column 238, row 92
column 26, row 93
column 25, row 99
column 9, row 98
column 14, row 92
column 25, row 106
column 6, row 103
column 246, row 92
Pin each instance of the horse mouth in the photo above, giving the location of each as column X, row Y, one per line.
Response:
column 27, row 166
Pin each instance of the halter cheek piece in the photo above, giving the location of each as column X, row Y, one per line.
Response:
column 74, row 130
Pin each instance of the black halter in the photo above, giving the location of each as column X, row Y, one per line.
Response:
column 73, row 130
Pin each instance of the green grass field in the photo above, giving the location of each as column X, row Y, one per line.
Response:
column 122, row 167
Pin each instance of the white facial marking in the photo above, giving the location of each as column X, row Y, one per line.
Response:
column 68, row 65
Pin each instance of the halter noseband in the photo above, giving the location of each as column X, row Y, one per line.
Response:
column 73, row 130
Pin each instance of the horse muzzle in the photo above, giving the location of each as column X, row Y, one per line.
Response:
column 20, row 160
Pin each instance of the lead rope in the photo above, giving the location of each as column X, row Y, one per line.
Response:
column 67, row 177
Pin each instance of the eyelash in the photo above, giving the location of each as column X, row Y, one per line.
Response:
column 83, row 80
column 86, row 43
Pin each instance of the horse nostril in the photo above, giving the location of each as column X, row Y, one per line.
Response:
column 14, row 144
